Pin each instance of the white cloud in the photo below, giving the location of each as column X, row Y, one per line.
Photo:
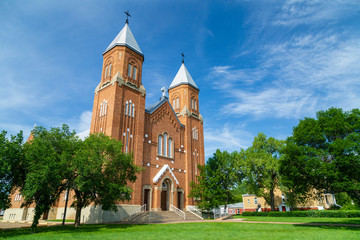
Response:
column 229, row 137
column 295, row 12
column 296, row 77
column 84, row 122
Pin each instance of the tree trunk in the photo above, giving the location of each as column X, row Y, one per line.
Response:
column 272, row 200
column 79, row 205
column 36, row 218
column 78, row 215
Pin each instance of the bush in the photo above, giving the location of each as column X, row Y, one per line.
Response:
column 335, row 207
column 350, row 207
column 259, row 214
column 310, row 213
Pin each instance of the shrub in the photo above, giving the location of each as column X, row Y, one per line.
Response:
column 310, row 213
column 334, row 207
column 259, row 214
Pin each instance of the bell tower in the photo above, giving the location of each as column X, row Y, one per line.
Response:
column 119, row 101
column 184, row 98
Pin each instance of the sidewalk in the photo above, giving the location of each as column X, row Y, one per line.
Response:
column 22, row 224
column 27, row 224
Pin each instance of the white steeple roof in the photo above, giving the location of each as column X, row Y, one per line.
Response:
column 183, row 77
column 125, row 38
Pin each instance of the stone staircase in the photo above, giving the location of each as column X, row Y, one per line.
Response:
column 161, row 217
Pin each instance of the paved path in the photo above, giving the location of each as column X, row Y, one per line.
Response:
column 12, row 225
column 25, row 224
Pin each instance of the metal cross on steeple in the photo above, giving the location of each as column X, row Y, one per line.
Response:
column 182, row 55
column 163, row 89
column 127, row 16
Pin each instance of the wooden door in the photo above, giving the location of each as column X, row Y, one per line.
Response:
column 179, row 200
column 146, row 199
column 163, row 200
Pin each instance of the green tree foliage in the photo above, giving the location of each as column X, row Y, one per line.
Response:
column 262, row 167
column 12, row 169
column 200, row 189
column 47, row 156
column 323, row 153
column 101, row 173
column 216, row 180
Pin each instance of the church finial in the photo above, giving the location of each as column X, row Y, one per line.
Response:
column 163, row 89
column 127, row 16
column 182, row 55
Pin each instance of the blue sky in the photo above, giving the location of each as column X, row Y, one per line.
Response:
column 260, row 65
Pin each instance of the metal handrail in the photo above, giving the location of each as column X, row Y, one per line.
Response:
column 139, row 209
column 195, row 211
column 218, row 214
column 177, row 211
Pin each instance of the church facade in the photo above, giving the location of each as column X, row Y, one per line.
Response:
column 166, row 138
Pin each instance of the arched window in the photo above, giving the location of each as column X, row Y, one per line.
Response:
column 101, row 106
column 159, row 145
column 105, row 108
column 109, row 70
column 177, row 103
column 174, row 106
column 194, row 104
column 133, row 110
column 170, row 148
column 165, row 145
column 106, row 70
column 129, row 110
column 127, row 141
column 134, row 73
column 126, row 108
column 129, row 70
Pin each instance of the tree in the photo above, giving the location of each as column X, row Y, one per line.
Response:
column 323, row 153
column 200, row 189
column 217, row 180
column 12, row 169
column 261, row 167
column 47, row 156
column 101, row 173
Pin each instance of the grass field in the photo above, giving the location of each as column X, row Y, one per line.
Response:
column 184, row 231
column 302, row 219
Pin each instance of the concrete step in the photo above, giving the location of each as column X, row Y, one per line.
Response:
column 191, row 217
column 161, row 217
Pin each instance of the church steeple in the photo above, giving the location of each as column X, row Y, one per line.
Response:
column 183, row 77
column 125, row 38
column 184, row 93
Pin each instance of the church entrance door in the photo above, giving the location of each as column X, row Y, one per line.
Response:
column 165, row 195
column 146, row 198
column 180, row 200
column 163, row 200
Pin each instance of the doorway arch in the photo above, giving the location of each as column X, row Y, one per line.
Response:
column 165, row 196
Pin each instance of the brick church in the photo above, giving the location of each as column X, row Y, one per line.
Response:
column 166, row 137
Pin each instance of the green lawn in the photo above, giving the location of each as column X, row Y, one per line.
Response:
column 60, row 220
column 184, row 231
column 301, row 219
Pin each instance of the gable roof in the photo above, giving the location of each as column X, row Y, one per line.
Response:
column 125, row 38
column 183, row 77
column 152, row 107
column 162, row 171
